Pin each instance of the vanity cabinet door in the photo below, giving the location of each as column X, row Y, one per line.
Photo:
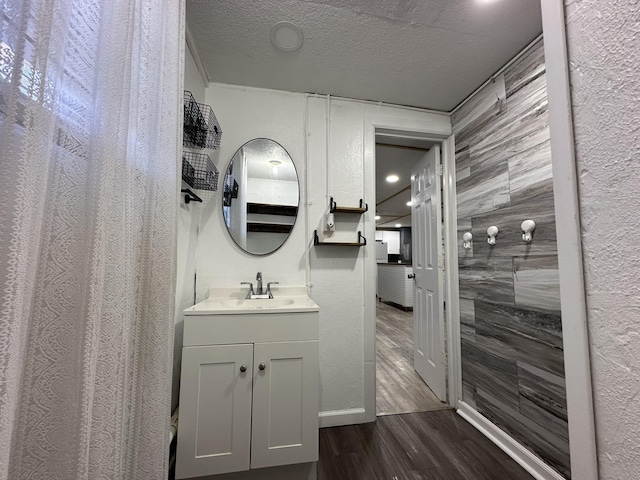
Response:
column 214, row 431
column 285, row 403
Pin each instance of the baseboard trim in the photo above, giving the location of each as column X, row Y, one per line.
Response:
column 338, row 418
column 526, row 459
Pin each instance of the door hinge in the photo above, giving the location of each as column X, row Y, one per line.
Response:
column 439, row 169
column 441, row 262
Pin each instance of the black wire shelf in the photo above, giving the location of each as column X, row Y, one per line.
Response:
column 201, row 127
column 199, row 172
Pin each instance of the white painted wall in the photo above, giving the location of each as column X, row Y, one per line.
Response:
column 278, row 192
column 246, row 113
column 187, row 237
column 336, row 275
column 604, row 54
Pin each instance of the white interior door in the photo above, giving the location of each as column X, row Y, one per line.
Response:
column 426, row 234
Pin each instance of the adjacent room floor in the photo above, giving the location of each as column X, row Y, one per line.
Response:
column 415, row 436
column 399, row 389
column 437, row 445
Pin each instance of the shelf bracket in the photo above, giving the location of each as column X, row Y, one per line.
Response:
column 361, row 239
column 190, row 196
column 332, row 205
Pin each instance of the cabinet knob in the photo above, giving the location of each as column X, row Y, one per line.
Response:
column 262, row 366
column 411, row 275
column 243, row 368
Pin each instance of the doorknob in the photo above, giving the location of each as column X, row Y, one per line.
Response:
column 411, row 275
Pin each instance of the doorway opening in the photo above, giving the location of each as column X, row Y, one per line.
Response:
column 410, row 356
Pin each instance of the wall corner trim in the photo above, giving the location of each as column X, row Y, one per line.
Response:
column 577, row 365
column 525, row 458
column 191, row 45
column 339, row 418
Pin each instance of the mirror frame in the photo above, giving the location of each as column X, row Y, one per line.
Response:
column 297, row 206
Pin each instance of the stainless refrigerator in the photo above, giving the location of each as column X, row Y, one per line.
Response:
column 381, row 252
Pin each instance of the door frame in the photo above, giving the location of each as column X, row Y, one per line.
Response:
column 437, row 128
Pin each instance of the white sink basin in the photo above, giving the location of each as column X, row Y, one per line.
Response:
column 231, row 302
column 255, row 303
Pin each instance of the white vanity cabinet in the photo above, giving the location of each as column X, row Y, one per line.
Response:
column 215, row 410
column 285, row 404
column 249, row 392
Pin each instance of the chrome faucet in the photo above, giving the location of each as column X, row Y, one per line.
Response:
column 259, row 292
column 259, row 284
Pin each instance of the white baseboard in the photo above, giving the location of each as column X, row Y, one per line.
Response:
column 338, row 418
column 526, row 459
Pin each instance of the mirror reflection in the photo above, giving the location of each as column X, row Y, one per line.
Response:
column 260, row 196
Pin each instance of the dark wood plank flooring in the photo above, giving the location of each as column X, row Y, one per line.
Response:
column 436, row 445
column 399, row 389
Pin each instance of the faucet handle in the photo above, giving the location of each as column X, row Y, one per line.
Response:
column 269, row 288
column 250, row 288
column 259, row 276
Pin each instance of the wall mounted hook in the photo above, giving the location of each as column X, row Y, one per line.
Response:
column 528, row 226
column 492, row 232
column 466, row 240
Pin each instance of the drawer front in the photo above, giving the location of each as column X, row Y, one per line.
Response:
column 271, row 327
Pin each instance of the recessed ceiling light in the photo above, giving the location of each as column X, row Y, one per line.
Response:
column 398, row 225
column 409, row 203
column 393, row 178
column 377, row 217
column 286, row 36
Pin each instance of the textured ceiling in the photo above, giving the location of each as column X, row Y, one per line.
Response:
column 424, row 53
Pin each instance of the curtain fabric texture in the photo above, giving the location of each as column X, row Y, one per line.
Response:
column 90, row 110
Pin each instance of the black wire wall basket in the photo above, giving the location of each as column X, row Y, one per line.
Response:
column 201, row 127
column 199, row 172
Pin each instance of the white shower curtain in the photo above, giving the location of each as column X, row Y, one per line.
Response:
column 90, row 108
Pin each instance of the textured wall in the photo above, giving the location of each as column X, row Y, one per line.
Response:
column 512, row 357
column 188, row 216
column 604, row 54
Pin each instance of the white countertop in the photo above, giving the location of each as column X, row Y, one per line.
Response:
column 232, row 301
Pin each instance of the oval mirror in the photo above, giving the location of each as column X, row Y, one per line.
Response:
column 260, row 196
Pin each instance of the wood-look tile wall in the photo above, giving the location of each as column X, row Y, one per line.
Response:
column 512, row 358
